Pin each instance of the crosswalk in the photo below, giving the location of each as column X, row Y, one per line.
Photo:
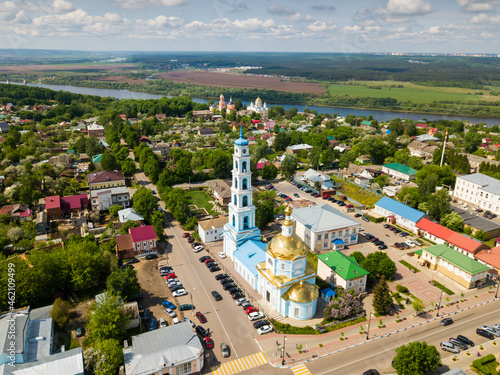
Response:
column 240, row 364
column 301, row 370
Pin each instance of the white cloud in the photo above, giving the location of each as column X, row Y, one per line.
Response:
column 475, row 5
column 408, row 7
column 480, row 18
column 21, row 18
column 297, row 17
column 486, row 35
column 162, row 21
column 319, row 26
column 138, row 4
column 495, row 20
column 351, row 29
column 277, row 9
column 62, row 6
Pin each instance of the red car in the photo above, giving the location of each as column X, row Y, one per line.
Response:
column 250, row 309
column 209, row 343
column 170, row 276
column 201, row 317
column 326, row 196
column 208, row 260
column 185, row 235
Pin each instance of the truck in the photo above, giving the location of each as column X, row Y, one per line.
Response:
column 329, row 192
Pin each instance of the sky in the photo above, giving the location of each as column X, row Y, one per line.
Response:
column 360, row 26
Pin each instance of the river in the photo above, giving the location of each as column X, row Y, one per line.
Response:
column 380, row 116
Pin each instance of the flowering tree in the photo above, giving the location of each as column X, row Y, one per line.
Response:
column 343, row 306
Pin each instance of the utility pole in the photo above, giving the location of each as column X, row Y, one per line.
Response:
column 192, row 310
column 498, row 285
column 439, row 306
column 283, row 358
column 368, row 331
column 444, row 147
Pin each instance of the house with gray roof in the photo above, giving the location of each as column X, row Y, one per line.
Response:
column 324, row 228
column 32, row 349
column 175, row 349
column 129, row 214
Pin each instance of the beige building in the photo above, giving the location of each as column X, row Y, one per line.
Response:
column 211, row 230
column 338, row 269
column 105, row 179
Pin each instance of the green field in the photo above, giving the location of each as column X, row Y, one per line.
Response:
column 201, row 200
column 409, row 91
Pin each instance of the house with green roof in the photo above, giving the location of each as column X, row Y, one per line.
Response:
column 96, row 160
column 458, row 267
column 399, row 171
column 366, row 123
column 340, row 270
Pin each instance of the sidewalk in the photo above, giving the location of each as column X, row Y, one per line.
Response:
column 331, row 342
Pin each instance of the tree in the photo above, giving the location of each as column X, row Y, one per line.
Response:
column 269, row 172
column 107, row 319
column 418, row 305
column 344, row 305
column 452, row 221
column 113, row 210
column 103, row 359
column 127, row 225
column 416, row 358
column 358, row 255
column 261, row 150
column 439, row 204
column 288, row 166
column 264, row 212
column 60, row 312
column 144, row 202
column 472, row 140
column 379, row 264
column 382, row 180
column 15, row 234
column 480, row 235
column 281, row 141
column 381, row 297
column 123, row 283
column 314, row 156
column 128, row 167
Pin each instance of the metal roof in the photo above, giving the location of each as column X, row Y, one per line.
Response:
column 400, row 209
column 322, row 218
column 459, row 260
column 250, row 254
column 344, row 266
column 401, row 168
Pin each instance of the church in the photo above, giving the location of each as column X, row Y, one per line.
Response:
column 230, row 106
column 258, row 106
column 279, row 270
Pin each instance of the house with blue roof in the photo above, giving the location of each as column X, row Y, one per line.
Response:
column 399, row 213
column 246, row 258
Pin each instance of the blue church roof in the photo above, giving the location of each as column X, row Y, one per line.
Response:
column 251, row 253
column 241, row 141
column 400, row 209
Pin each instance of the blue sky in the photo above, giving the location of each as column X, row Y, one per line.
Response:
column 444, row 26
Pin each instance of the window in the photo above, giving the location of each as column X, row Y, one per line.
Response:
column 234, row 221
column 282, row 266
column 236, row 165
column 245, row 222
column 245, row 201
column 235, row 183
column 53, row 211
column 297, row 312
column 235, row 200
column 244, row 166
column 245, row 182
column 184, row 368
column 270, row 261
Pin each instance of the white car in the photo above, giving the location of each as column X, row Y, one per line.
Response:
column 187, row 320
column 197, row 249
column 179, row 293
column 222, row 254
column 170, row 281
column 410, row 243
column 265, row 329
column 170, row 312
column 496, row 326
column 163, row 323
column 361, row 229
column 492, row 330
column 241, row 300
column 255, row 315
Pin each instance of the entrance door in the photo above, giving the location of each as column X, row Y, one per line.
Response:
column 268, row 296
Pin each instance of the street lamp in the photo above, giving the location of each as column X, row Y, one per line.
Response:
column 283, row 360
column 498, row 285
column 439, row 306
column 368, row 331
column 192, row 310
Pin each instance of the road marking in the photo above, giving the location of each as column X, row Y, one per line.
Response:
column 245, row 363
column 301, row 370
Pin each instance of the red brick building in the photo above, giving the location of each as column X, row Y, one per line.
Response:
column 140, row 241
column 58, row 207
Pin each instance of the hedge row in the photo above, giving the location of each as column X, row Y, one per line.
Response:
column 374, row 219
column 481, row 363
column 443, row 288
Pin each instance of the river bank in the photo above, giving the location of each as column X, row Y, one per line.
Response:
column 380, row 115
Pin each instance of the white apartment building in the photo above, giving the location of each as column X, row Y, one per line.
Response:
column 211, row 230
column 324, row 228
column 480, row 190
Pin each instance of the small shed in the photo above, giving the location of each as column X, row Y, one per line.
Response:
column 338, row 244
column 327, row 294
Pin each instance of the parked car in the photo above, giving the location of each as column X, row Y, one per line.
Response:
column 265, row 329
column 386, row 226
column 382, row 247
column 234, row 290
column 379, row 243
column 201, row 331
column 403, row 234
column 208, row 342
column 396, row 230
column 261, row 323
column 197, row 249
column 357, row 215
column 201, row 317
column 193, row 245
column 151, row 256
column 179, row 293
column 169, row 304
column 186, row 307
column 187, row 320
column 241, row 301
column 224, row 349
column 190, row 239
column 204, row 258
column 170, row 312
column 185, row 235
column 131, row 261
column 226, row 280
column 176, row 288
column 371, row 372
column 251, row 309
column 410, row 243
column 465, row 340
column 216, row 295
column 418, row 242
column 214, row 268
column 208, row 260
column 296, row 195
column 170, row 276
column 484, row 333
column 228, row 286
column 446, row 321
column 405, row 245
column 152, row 325
column 398, row 245
column 237, row 295
column 255, row 315
column 145, row 315
column 221, row 276
column 491, row 329
column 163, row 323
column 222, row 254
column 244, row 305
column 342, row 204
column 449, row 347
column 374, row 239
column 458, row 343
column 364, row 218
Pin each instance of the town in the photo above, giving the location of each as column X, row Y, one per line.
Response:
column 135, row 230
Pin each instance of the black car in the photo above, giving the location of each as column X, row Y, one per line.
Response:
column 371, row 372
column 396, row 230
column 234, row 290
column 229, row 286
column 260, row 323
column 378, row 243
column 204, row 258
column 210, row 263
column 404, row 234
column 131, row 261
column 226, row 280
column 202, row 331
column 214, row 268
column 386, row 226
column 465, row 340
column 446, row 321
column 137, row 297
column 193, row 245
column 237, row 295
column 216, row 295
column 145, row 315
column 173, row 288
column 221, row 276
column 485, row 333
column 341, row 203
column 151, row 256
column 382, row 247
column 357, row 215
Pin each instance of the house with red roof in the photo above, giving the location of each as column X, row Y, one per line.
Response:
column 26, row 215
column 444, row 236
column 259, row 166
column 263, row 137
column 421, row 126
column 139, row 241
column 432, row 131
column 145, row 139
column 58, row 207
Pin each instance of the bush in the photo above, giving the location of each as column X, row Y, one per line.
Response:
column 481, row 364
column 374, row 219
column 402, row 289
column 443, row 288
column 408, row 265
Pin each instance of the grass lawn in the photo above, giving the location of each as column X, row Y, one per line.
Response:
column 356, row 192
column 201, row 199
column 409, row 91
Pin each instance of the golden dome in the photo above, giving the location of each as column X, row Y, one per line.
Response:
column 287, row 248
column 258, row 100
column 302, row 293
column 288, row 210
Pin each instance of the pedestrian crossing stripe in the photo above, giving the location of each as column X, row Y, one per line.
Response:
column 240, row 364
column 301, row 370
